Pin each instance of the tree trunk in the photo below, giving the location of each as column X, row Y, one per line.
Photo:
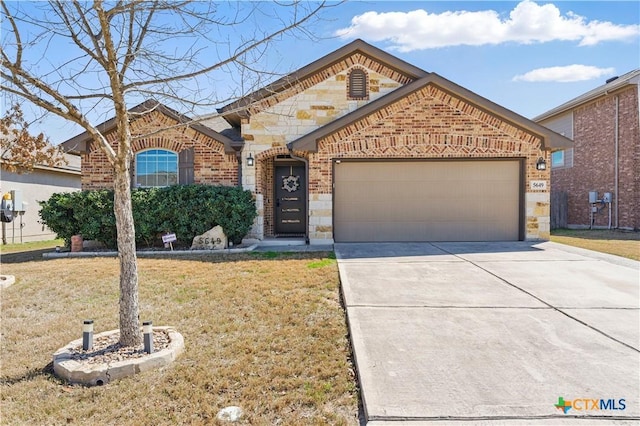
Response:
column 130, row 334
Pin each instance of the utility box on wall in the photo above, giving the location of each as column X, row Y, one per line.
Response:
column 18, row 200
column 593, row 197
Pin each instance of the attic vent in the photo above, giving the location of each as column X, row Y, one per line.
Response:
column 609, row 80
column 357, row 84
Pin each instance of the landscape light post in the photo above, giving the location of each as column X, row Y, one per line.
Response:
column 87, row 335
column 147, row 330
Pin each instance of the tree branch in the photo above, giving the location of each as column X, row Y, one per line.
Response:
column 233, row 58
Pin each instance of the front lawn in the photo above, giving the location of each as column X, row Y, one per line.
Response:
column 620, row 243
column 264, row 332
column 31, row 246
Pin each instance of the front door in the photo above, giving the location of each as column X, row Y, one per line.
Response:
column 291, row 202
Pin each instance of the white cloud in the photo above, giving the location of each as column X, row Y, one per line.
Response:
column 527, row 23
column 566, row 74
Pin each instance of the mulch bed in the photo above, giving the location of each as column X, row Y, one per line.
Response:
column 106, row 349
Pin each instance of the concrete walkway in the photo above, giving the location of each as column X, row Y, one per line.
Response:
column 492, row 332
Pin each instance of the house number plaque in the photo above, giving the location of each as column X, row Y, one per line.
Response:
column 538, row 185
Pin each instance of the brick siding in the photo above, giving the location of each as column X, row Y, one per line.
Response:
column 211, row 164
column 427, row 124
column 431, row 124
column 594, row 161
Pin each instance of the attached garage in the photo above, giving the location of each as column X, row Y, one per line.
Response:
column 428, row 200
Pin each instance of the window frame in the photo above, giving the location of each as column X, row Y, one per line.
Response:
column 558, row 162
column 137, row 164
column 565, row 161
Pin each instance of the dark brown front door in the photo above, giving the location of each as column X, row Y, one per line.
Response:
column 291, row 203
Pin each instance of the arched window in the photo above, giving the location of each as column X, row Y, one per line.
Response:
column 156, row 167
column 357, row 84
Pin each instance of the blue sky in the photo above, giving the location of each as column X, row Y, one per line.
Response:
column 527, row 56
column 517, row 54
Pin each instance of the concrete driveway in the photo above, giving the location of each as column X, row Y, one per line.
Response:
column 492, row 332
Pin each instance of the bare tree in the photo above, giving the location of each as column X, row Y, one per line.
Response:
column 21, row 151
column 74, row 58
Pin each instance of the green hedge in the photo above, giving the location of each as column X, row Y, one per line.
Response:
column 186, row 210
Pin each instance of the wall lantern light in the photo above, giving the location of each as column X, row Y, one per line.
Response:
column 250, row 160
column 541, row 164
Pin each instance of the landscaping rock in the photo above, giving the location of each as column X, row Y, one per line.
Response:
column 230, row 414
column 213, row 239
column 6, row 280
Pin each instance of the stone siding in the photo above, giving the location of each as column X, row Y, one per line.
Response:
column 301, row 109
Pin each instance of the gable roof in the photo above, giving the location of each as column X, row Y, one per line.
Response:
column 550, row 139
column 614, row 83
column 234, row 111
column 71, row 165
column 80, row 143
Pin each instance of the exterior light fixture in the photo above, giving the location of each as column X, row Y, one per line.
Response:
column 250, row 160
column 147, row 334
column 87, row 335
column 541, row 164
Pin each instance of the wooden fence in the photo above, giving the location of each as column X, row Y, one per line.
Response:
column 559, row 207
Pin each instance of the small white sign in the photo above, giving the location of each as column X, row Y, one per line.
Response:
column 169, row 238
column 538, row 185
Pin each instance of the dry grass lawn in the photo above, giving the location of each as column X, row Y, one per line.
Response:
column 262, row 331
column 29, row 247
column 620, row 243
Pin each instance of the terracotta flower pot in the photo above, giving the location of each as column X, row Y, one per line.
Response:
column 76, row 243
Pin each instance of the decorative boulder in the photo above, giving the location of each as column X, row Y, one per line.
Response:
column 213, row 239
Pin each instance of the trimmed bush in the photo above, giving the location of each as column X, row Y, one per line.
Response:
column 186, row 210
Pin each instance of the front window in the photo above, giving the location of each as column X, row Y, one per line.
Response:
column 156, row 167
column 557, row 159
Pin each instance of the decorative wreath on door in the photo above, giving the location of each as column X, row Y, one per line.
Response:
column 291, row 183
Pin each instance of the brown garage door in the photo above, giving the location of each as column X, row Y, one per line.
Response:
column 427, row 200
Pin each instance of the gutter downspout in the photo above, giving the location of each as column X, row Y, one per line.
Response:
column 616, row 169
column 306, row 177
column 238, row 148
column 239, row 158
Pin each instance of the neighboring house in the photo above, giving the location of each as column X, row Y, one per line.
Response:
column 604, row 124
column 37, row 185
column 357, row 146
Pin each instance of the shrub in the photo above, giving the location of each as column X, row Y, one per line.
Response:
column 186, row 210
column 57, row 214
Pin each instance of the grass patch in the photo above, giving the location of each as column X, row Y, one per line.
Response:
column 35, row 245
column 322, row 263
column 267, row 335
column 619, row 243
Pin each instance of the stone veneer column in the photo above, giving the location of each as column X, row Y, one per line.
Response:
column 320, row 218
column 537, row 211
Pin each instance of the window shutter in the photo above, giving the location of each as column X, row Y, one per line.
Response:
column 357, row 84
column 185, row 166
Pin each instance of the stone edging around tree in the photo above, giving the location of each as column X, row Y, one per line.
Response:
column 74, row 371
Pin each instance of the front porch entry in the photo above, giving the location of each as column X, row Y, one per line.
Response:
column 290, row 206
